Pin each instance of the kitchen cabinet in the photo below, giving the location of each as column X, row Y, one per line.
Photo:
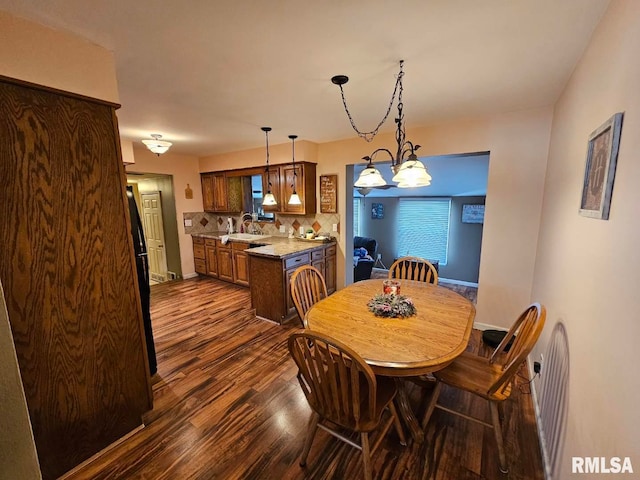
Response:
column 324, row 260
column 275, row 302
column 304, row 177
column 211, row 256
column 225, row 261
column 274, row 177
column 207, row 192
column 69, row 273
column 199, row 255
column 240, row 263
column 221, row 194
column 330, row 268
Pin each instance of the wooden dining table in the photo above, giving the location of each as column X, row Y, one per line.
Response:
column 398, row 347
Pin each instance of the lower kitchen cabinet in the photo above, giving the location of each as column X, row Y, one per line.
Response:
column 211, row 255
column 240, row 263
column 199, row 255
column 225, row 262
column 271, row 277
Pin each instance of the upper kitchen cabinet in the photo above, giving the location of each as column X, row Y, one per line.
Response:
column 221, row 194
column 303, row 180
column 273, row 178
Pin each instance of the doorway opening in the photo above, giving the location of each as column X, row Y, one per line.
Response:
column 155, row 199
column 427, row 222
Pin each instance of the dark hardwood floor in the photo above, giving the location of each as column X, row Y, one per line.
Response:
column 227, row 405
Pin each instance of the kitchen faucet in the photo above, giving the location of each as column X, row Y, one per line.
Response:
column 252, row 227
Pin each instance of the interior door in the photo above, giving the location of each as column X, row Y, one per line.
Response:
column 154, row 235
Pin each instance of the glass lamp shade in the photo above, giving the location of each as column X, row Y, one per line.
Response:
column 412, row 173
column 269, row 199
column 370, row 177
column 157, row 146
column 295, row 199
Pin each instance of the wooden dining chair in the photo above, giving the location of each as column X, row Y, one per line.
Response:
column 414, row 268
column 307, row 288
column 491, row 378
column 342, row 390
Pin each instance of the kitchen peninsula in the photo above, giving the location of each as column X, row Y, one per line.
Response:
column 265, row 264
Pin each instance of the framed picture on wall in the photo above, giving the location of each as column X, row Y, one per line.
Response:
column 472, row 213
column 377, row 211
column 600, row 168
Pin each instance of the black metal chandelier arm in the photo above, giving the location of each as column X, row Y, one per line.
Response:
column 373, row 154
column 368, row 136
column 408, row 147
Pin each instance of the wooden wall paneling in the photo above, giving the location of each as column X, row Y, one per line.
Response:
column 68, row 269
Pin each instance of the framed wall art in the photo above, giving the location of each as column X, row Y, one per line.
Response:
column 377, row 211
column 600, row 168
column 472, row 213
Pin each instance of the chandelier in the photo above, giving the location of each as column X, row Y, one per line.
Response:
column 156, row 145
column 408, row 170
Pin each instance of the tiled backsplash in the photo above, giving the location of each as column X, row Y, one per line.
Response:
column 204, row 222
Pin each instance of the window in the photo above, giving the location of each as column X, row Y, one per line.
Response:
column 423, row 228
column 356, row 216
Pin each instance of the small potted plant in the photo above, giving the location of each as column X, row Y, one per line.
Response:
column 310, row 233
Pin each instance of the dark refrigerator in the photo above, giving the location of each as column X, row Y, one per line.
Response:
column 142, row 267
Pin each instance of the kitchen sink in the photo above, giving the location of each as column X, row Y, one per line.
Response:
column 246, row 236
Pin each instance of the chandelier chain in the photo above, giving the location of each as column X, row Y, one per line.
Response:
column 368, row 136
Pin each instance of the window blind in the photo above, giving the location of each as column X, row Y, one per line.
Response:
column 356, row 216
column 423, row 228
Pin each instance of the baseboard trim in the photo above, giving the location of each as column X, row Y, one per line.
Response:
column 458, row 282
column 102, row 452
column 187, row 276
column 485, row 326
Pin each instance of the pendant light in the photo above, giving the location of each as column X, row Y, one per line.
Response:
column 295, row 199
column 268, row 199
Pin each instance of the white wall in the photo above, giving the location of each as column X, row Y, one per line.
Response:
column 588, row 271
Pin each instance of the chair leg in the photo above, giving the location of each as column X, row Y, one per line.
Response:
column 497, row 429
column 366, row 456
column 311, row 433
column 432, row 403
column 396, row 423
column 501, row 411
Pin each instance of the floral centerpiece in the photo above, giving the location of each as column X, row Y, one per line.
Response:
column 389, row 305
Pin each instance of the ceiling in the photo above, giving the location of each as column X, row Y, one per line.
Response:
column 207, row 74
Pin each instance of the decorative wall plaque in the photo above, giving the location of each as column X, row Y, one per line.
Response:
column 328, row 193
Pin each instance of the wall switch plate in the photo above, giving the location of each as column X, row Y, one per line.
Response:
column 335, row 227
column 188, row 222
column 282, row 229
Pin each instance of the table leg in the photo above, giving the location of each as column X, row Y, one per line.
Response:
column 406, row 412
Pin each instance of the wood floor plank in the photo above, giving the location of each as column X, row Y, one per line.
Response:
column 227, row 405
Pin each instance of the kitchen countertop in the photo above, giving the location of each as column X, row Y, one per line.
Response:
column 272, row 246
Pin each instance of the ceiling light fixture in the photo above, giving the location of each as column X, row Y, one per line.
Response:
column 156, row 145
column 409, row 172
column 268, row 199
column 295, row 199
